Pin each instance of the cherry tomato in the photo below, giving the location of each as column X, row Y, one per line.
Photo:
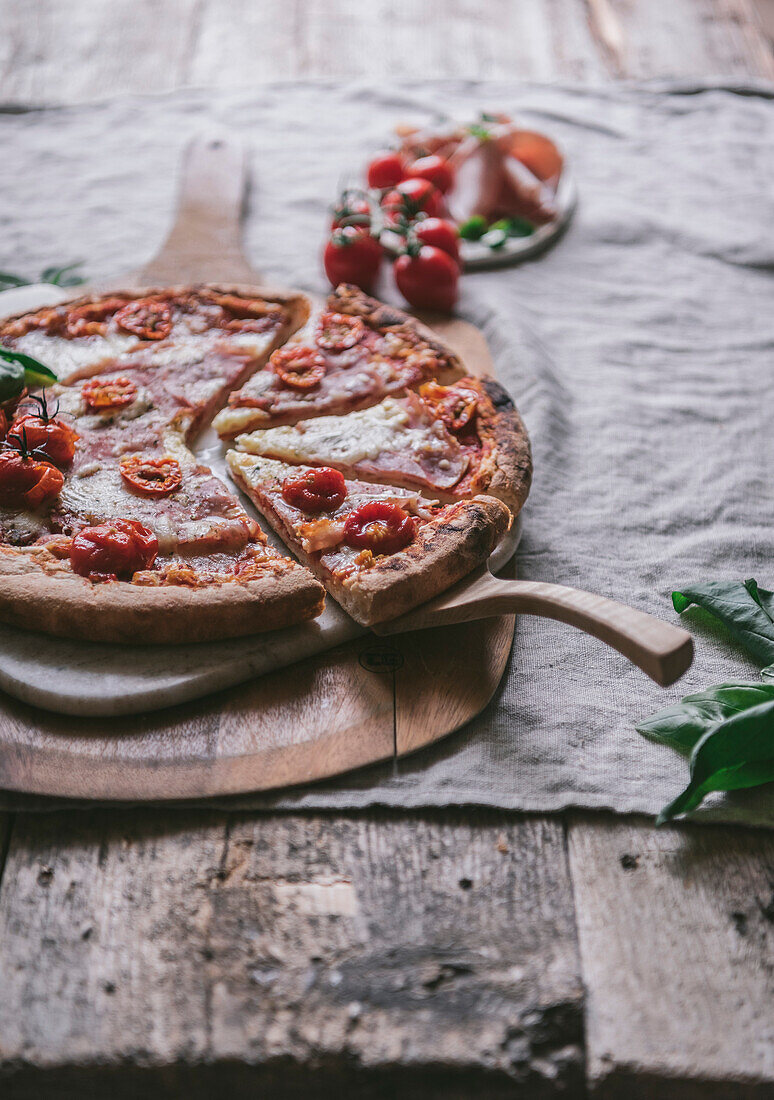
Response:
column 353, row 208
column 435, row 169
column 154, row 477
column 25, row 481
column 91, row 319
column 412, row 197
column 339, row 331
column 321, row 490
column 385, row 170
column 118, row 548
column 440, row 233
column 49, row 435
column 298, row 366
column 147, row 318
column 455, row 405
column 429, row 279
column 101, row 394
column 352, row 256
column 380, row 527
column 247, row 314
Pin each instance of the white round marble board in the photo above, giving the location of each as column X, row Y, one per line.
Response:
column 93, row 679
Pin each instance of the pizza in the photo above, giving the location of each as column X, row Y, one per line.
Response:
column 112, row 530
column 352, row 352
column 454, row 441
column 379, row 550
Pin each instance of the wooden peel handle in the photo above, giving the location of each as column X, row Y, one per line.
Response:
column 661, row 650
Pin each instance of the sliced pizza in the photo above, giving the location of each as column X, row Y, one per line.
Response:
column 454, row 441
column 351, row 354
column 379, row 550
column 189, row 328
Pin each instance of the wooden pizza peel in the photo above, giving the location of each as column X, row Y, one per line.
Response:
column 367, row 701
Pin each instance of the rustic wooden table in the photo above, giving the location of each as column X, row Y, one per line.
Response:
column 439, row 954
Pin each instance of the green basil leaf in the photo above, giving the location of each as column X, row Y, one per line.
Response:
column 473, row 229
column 736, row 753
column 681, row 726
column 747, row 611
column 11, row 379
column 63, row 276
column 7, row 280
column 18, row 370
column 520, row 227
column 479, row 131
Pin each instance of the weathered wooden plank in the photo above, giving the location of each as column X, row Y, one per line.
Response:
column 289, row 953
column 676, row 930
column 689, row 38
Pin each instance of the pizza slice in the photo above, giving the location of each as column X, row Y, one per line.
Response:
column 454, row 441
column 190, row 330
column 351, row 354
column 380, row 551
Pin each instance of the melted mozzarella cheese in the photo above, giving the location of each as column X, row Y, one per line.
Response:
column 353, row 438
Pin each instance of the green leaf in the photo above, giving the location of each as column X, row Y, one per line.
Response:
column 7, row 280
column 18, row 370
column 747, row 611
column 683, row 725
column 479, row 131
column 734, row 754
column 63, row 276
column 474, row 228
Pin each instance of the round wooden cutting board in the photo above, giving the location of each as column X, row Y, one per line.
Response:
column 368, row 701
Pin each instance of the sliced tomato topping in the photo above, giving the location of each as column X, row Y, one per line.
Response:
column 91, row 319
column 321, row 490
column 52, row 437
column 298, row 366
column 380, row 527
column 3, row 424
column 148, row 318
column 27, row 482
column 456, row 406
column 108, row 393
column 111, row 550
column 338, row 331
column 155, row 477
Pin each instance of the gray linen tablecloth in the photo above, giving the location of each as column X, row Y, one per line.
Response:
column 639, row 351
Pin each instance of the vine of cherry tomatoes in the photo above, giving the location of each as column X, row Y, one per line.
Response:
column 412, row 209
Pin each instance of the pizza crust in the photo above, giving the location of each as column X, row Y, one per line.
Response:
column 506, row 472
column 445, row 551
column 117, row 611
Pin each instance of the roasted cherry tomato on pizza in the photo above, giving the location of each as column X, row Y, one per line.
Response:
column 298, row 366
column 339, row 331
column 155, row 477
column 27, row 479
column 352, row 255
column 148, row 318
column 455, row 405
column 353, row 208
column 440, row 233
column 379, row 526
column 44, row 431
column 435, row 169
column 386, row 170
column 411, row 198
column 113, row 550
column 104, row 394
column 427, row 277
column 321, row 490
column 91, row 319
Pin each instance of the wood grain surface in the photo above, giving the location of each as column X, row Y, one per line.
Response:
column 137, row 959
